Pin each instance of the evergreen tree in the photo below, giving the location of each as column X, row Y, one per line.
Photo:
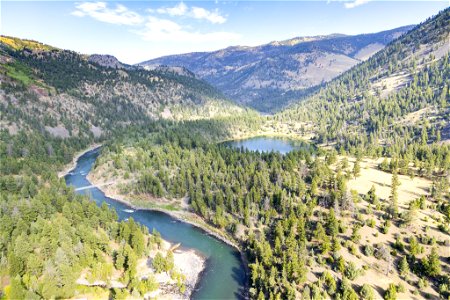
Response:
column 432, row 263
column 403, row 267
column 357, row 168
column 393, row 198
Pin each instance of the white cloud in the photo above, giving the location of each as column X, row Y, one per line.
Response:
column 178, row 10
column 195, row 12
column 100, row 11
column 162, row 30
column 152, row 28
column 212, row 16
column 355, row 3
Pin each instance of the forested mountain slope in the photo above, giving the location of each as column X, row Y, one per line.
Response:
column 67, row 93
column 401, row 92
column 266, row 77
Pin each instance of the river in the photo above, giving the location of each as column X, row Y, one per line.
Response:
column 224, row 276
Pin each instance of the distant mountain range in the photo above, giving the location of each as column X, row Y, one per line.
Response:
column 66, row 93
column 269, row 76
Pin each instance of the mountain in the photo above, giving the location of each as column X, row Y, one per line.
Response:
column 64, row 92
column 397, row 95
column 267, row 77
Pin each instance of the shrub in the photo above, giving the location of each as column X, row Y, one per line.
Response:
column 120, row 293
column 371, row 223
column 367, row 292
column 351, row 272
column 422, row 283
column 391, row 293
column 385, row 227
column 368, row 250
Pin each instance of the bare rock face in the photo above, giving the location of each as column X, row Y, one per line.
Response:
column 269, row 76
column 182, row 71
column 108, row 61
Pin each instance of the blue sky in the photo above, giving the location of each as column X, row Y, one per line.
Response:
column 137, row 31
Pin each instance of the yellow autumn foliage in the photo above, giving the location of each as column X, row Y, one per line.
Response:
column 19, row 44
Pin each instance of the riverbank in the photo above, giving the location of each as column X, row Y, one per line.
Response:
column 181, row 215
column 69, row 167
column 293, row 131
column 189, row 262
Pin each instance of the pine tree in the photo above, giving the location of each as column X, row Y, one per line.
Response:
column 314, row 189
column 120, row 260
column 371, row 196
column 332, row 224
column 403, row 267
column 348, row 293
column 432, row 264
column 340, row 264
column 411, row 213
column 414, row 247
column 393, row 206
column 169, row 262
column 424, row 136
column 356, row 169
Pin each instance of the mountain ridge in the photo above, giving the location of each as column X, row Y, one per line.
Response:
column 64, row 92
column 374, row 99
column 269, row 76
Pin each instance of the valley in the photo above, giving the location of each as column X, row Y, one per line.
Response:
column 269, row 77
column 164, row 180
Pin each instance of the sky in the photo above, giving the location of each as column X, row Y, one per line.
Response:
column 135, row 31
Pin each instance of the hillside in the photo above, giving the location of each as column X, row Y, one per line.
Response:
column 267, row 77
column 399, row 92
column 66, row 93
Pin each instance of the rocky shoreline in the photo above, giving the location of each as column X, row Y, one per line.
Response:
column 188, row 262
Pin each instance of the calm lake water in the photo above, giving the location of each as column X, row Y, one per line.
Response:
column 224, row 277
column 267, row 144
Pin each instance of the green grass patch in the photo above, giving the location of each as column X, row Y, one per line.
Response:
column 19, row 73
column 170, row 207
column 151, row 205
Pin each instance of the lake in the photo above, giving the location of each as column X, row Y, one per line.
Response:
column 267, row 144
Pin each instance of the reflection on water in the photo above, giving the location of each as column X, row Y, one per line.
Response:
column 267, row 144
